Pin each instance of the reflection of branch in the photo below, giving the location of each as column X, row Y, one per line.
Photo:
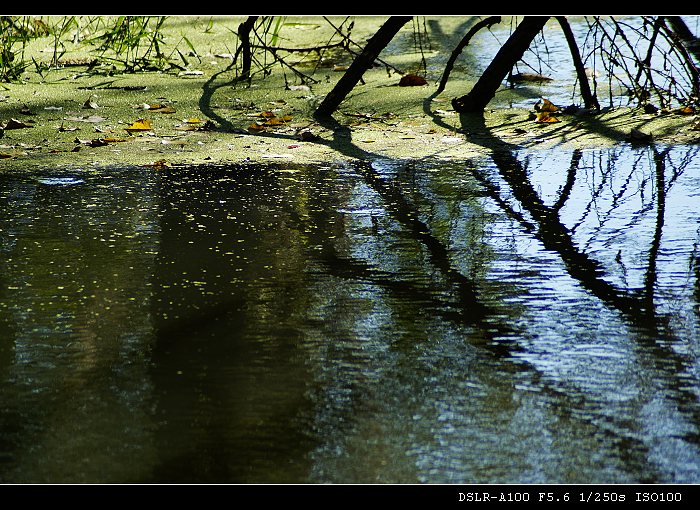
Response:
column 301, row 49
column 570, row 179
column 425, row 299
column 556, row 237
column 695, row 262
column 439, row 255
column 650, row 277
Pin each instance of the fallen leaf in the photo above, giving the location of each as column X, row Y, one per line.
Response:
column 545, row 105
column 267, row 114
column 412, row 80
column 686, row 110
column 307, row 136
column 528, row 77
column 160, row 164
column 4, row 155
column 95, row 142
column 15, row 124
column 545, row 118
column 256, row 127
column 277, row 121
column 92, row 119
column 26, row 111
column 63, row 128
column 163, row 109
column 140, row 125
column 90, row 104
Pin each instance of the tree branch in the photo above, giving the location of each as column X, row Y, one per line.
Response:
column 488, row 22
column 361, row 63
column 509, row 54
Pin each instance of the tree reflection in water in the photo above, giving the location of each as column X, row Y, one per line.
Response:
column 529, row 317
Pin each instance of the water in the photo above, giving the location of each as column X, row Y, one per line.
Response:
column 380, row 322
column 526, row 317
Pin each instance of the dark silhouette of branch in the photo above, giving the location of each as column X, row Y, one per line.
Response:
column 488, row 22
column 646, row 63
column 589, row 100
column 346, row 42
column 509, row 54
column 681, row 30
column 244, row 36
column 362, row 63
column 684, row 47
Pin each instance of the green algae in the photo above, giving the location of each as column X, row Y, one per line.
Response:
column 75, row 118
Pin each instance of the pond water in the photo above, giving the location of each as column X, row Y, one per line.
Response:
column 532, row 317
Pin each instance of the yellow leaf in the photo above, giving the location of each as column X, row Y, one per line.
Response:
column 140, row 125
column 267, row 114
column 686, row 110
column 161, row 164
column 276, row 121
column 545, row 117
column 256, row 127
column 163, row 109
column 545, row 105
column 194, row 120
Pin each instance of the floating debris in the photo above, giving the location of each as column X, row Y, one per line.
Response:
column 60, row 181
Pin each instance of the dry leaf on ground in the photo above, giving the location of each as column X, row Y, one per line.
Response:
column 140, row 125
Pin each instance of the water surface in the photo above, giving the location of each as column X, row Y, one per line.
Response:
column 526, row 318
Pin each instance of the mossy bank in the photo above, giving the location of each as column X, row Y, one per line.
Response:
column 199, row 114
